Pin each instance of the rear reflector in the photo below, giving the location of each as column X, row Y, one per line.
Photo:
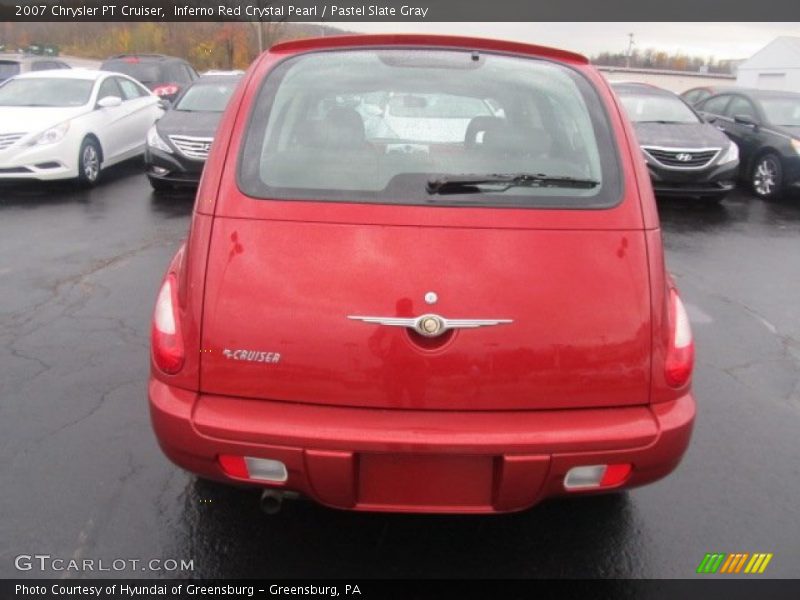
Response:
column 259, row 469
column 596, row 476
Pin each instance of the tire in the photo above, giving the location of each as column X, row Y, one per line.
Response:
column 89, row 163
column 159, row 185
column 766, row 177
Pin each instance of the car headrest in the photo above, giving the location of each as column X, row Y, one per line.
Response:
column 478, row 126
column 342, row 128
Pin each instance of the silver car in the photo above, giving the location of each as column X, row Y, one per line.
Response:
column 14, row 64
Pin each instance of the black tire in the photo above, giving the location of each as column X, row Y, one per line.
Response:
column 161, row 186
column 766, row 176
column 89, row 163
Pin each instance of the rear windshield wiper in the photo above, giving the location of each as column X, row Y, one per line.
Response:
column 470, row 184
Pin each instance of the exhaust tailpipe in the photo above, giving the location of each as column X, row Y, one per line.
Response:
column 271, row 502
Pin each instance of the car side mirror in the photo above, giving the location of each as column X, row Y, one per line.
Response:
column 164, row 104
column 745, row 120
column 109, row 102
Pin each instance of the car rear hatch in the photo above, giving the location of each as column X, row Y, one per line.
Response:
column 302, row 298
column 280, row 296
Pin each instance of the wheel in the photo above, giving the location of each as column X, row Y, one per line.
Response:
column 767, row 176
column 160, row 185
column 89, row 163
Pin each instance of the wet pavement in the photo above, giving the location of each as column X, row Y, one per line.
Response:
column 82, row 476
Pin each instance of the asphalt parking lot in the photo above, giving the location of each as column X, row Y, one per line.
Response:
column 82, row 476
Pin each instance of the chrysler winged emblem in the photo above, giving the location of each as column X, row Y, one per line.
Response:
column 430, row 325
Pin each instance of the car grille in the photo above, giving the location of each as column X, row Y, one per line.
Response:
column 192, row 147
column 8, row 139
column 681, row 158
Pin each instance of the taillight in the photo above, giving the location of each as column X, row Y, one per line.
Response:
column 167, row 89
column 167, row 339
column 680, row 355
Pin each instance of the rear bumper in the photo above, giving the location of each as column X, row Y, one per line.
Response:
column 415, row 461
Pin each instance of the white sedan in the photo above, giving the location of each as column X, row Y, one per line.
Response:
column 71, row 124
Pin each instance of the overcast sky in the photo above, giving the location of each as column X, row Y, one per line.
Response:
column 720, row 40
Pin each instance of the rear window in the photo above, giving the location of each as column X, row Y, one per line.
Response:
column 147, row 73
column 8, row 68
column 382, row 126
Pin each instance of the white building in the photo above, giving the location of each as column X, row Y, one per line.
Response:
column 775, row 67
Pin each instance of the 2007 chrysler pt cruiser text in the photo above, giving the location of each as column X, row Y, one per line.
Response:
column 423, row 274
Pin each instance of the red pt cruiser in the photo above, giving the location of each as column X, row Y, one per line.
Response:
column 423, row 274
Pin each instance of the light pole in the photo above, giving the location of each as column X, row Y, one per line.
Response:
column 629, row 52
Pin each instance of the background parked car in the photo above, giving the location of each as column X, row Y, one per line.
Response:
column 696, row 95
column 685, row 155
column 14, row 64
column 766, row 127
column 166, row 76
column 178, row 144
column 72, row 123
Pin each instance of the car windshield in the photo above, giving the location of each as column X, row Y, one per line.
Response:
column 656, row 108
column 783, row 111
column 382, row 125
column 8, row 69
column 46, row 92
column 207, row 97
column 146, row 73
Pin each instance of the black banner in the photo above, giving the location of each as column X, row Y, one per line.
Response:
column 397, row 10
column 132, row 589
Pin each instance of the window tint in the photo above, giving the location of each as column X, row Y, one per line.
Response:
column 147, row 73
column 782, row 110
column 378, row 125
column 741, row 106
column 44, row 65
column 8, row 68
column 129, row 89
column 716, row 105
column 692, row 96
column 177, row 73
column 109, row 87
